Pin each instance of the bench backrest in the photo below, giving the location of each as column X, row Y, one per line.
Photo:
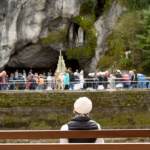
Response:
column 74, row 134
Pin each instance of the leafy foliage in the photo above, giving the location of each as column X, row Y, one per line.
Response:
column 124, row 63
column 136, row 4
column 105, row 63
column 54, row 37
column 88, row 50
column 143, row 42
column 88, row 6
column 122, row 39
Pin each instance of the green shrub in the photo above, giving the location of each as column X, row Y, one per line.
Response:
column 105, row 63
column 54, row 37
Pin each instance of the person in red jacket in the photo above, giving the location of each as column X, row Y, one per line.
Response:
column 4, row 81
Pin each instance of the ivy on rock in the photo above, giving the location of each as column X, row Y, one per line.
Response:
column 86, row 21
column 87, row 24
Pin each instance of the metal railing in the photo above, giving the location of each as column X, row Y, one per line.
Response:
column 87, row 83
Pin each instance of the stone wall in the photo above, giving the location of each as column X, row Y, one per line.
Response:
column 50, row 110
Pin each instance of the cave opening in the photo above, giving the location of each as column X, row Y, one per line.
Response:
column 40, row 70
column 73, row 63
column 99, row 8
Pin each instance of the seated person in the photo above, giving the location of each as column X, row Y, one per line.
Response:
column 82, row 121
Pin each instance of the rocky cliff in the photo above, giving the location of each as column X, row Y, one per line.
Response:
column 23, row 23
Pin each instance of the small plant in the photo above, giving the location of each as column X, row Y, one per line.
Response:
column 54, row 37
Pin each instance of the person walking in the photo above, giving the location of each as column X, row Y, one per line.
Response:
column 41, row 82
column 36, row 77
column 66, row 80
column 45, row 81
column 82, row 121
column 81, row 79
column 58, row 80
column 100, row 81
column 119, row 79
column 24, row 74
column 71, row 78
column 126, row 79
column 4, row 81
column 21, row 82
column 33, row 83
column 134, row 79
column 49, row 72
column 105, row 83
column 12, row 82
column 54, row 82
column 77, row 82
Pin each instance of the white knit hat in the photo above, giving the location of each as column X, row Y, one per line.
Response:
column 119, row 71
column 75, row 73
column 83, row 105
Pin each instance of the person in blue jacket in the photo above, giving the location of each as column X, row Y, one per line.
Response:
column 66, row 80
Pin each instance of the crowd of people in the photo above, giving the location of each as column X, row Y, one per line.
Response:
column 68, row 80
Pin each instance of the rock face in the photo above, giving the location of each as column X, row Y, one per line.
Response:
column 104, row 25
column 24, row 22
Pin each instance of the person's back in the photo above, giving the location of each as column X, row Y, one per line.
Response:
column 126, row 80
column 119, row 77
column 33, row 83
column 101, row 79
column 12, row 82
column 134, row 80
column 41, row 82
column 66, row 80
column 21, row 83
column 82, row 121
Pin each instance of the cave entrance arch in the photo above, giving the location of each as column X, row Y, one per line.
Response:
column 73, row 63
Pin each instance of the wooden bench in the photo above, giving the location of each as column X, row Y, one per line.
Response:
column 75, row 134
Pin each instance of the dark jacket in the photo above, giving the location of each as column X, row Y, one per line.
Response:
column 21, row 83
column 82, row 123
column 105, row 79
column 120, row 80
column 134, row 79
column 71, row 77
column 33, row 83
column 101, row 79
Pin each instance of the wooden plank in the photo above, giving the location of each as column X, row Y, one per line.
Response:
column 73, row 134
column 74, row 146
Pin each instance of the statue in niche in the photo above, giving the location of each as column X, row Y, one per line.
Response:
column 127, row 54
column 80, row 35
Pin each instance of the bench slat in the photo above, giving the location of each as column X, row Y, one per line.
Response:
column 75, row 147
column 73, row 134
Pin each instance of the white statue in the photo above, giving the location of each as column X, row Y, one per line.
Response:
column 80, row 35
column 127, row 54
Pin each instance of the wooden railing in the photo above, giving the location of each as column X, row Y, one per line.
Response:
column 75, row 134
